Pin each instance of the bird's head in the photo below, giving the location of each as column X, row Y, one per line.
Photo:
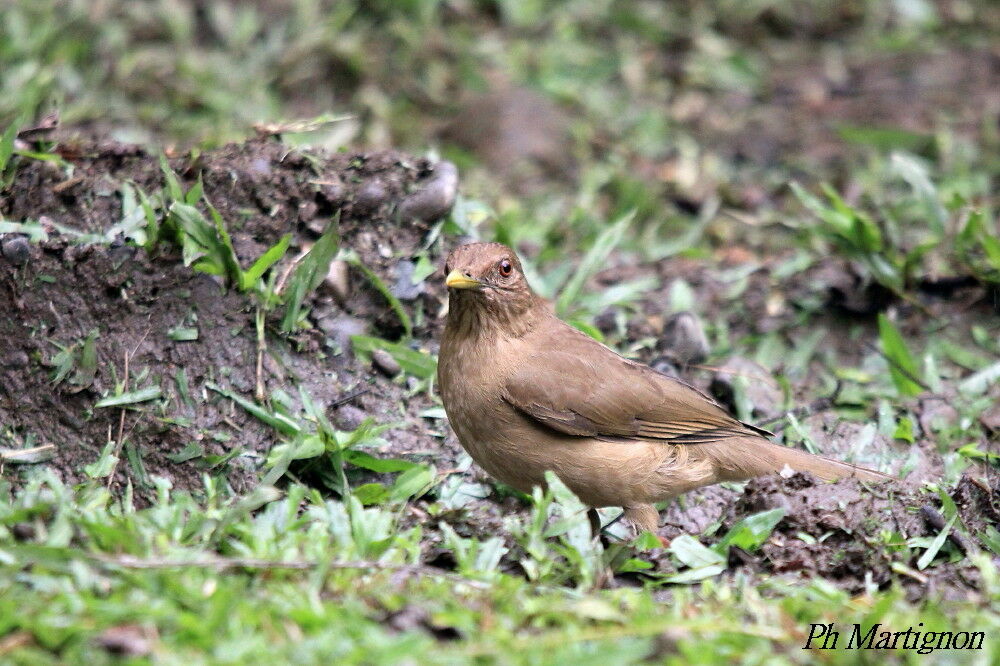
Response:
column 486, row 279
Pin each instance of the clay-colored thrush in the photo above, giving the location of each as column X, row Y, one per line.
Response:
column 526, row 393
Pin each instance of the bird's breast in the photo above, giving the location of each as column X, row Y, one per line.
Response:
column 484, row 426
column 471, row 379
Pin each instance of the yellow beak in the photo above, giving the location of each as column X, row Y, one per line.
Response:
column 456, row 280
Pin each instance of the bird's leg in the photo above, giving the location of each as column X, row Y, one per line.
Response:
column 645, row 517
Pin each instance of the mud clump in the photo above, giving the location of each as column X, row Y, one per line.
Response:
column 85, row 321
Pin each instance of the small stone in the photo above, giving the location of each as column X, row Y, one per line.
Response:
column 435, row 198
column 409, row 618
column 338, row 281
column 333, row 192
column 15, row 359
column 341, row 327
column 16, row 250
column 349, row 417
column 370, row 196
column 317, row 226
column 991, row 419
column 273, row 367
column 607, row 321
column 684, row 338
column 664, row 366
column 385, row 363
column 308, row 210
column 76, row 253
column 260, row 166
column 126, row 641
column 119, row 252
column 23, row 531
column 757, row 384
column 404, row 289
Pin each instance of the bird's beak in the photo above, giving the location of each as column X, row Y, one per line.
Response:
column 457, row 280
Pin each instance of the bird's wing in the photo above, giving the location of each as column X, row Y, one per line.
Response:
column 587, row 390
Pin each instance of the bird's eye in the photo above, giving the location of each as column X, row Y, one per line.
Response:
column 506, row 268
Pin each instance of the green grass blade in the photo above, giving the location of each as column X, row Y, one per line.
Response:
column 751, row 532
column 309, row 273
column 936, row 544
column 690, row 552
column 194, row 235
column 916, row 176
column 195, row 194
column 411, row 361
column 7, row 144
column 902, row 366
column 273, row 255
column 35, row 232
column 223, row 247
column 152, row 220
column 280, row 423
column 174, row 188
column 607, row 241
column 131, row 397
column 353, row 259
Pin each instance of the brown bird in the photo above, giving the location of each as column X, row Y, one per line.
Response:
column 526, row 393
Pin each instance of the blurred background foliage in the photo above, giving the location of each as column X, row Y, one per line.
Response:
column 570, row 112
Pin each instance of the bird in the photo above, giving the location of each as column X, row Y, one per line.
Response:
column 526, row 393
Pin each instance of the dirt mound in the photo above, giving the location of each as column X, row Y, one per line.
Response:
column 86, row 321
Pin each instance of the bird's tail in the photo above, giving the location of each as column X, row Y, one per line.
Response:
column 755, row 456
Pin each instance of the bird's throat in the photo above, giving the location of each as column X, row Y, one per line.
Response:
column 476, row 318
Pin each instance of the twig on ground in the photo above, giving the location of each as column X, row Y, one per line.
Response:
column 817, row 406
column 224, row 563
column 347, row 398
column 261, row 349
column 757, row 376
column 120, row 441
column 34, row 454
column 15, row 640
column 937, row 522
column 280, row 286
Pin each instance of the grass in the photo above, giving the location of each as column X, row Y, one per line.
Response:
column 296, row 577
column 314, row 565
